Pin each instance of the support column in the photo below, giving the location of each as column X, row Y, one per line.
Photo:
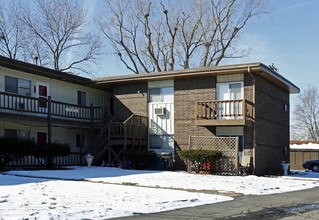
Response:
column 49, row 120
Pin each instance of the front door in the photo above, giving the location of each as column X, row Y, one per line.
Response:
column 41, row 138
column 42, row 94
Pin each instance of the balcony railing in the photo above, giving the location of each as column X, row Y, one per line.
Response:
column 18, row 104
column 225, row 112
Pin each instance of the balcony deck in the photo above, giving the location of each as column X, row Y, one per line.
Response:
column 20, row 107
column 224, row 113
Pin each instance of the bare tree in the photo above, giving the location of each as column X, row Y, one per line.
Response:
column 160, row 35
column 306, row 115
column 58, row 27
column 11, row 31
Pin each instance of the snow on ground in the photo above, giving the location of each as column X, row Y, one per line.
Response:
column 102, row 192
column 309, row 146
column 247, row 185
column 33, row 198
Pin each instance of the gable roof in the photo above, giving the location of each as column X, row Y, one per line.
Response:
column 260, row 68
column 43, row 71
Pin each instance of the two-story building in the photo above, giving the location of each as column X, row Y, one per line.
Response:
column 242, row 110
column 48, row 106
column 198, row 108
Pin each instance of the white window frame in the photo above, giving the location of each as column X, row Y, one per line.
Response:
column 228, row 83
column 161, row 94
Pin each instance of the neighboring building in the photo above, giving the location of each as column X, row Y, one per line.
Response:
column 186, row 108
column 48, row 105
column 243, row 109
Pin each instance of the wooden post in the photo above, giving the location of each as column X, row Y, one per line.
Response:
column 237, row 159
column 91, row 126
column 244, row 109
column 109, row 142
column 49, row 120
column 196, row 110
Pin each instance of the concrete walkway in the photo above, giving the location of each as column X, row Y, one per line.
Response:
column 292, row 205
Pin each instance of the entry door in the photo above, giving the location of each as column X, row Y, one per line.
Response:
column 41, row 138
column 229, row 91
column 42, row 94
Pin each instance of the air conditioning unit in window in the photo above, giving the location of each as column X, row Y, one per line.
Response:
column 160, row 111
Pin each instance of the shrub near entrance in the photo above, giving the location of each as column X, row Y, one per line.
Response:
column 199, row 157
column 14, row 148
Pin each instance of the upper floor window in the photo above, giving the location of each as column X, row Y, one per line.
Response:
column 165, row 94
column 230, row 91
column 81, row 98
column 18, row 86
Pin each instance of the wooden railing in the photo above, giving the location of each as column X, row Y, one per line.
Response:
column 226, row 109
column 132, row 131
column 27, row 104
column 74, row 158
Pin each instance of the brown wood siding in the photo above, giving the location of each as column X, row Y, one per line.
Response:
column 272, row 127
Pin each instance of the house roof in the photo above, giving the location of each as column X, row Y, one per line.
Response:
column 43, row 71
column 108, row 82
column 260, row 68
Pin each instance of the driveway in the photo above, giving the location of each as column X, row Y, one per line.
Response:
column 293, row 205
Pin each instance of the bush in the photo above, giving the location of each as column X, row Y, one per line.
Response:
column 139, row 158
column 14, row 148
column 49, row 151
column 199, row 157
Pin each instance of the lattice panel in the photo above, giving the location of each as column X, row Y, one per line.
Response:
column 228, row 165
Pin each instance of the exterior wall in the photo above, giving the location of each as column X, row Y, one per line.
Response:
column 58, row 90
column 61, row 135
column 272, row 127
column 128, row 101
column 187, row 92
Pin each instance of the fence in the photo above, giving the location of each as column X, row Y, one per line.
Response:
column 228, row 165
column 299, row 156
column 74, row 159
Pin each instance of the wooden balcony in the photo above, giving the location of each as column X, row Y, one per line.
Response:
column 31, row 108
column 224, row 113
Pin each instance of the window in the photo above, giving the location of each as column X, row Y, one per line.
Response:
column 162, row 142
column 18, row 86
column 17, row 133
column 230, row 91
column 165, row 94
column 80, row 140
column 81, row 98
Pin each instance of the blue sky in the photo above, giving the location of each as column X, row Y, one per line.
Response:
column 287, row 37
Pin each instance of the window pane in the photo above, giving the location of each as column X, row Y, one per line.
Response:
column 10, row 133
column 155, row 95
column 24, row 134
column 24, row 87
column 155, row 142
column 168, row 94
column 168, row 142
column 235, row 91
column 11, row 84
column 81, row 98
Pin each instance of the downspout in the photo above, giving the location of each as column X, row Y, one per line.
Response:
column 254, row 118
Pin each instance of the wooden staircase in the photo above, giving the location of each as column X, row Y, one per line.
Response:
column 115, row 137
